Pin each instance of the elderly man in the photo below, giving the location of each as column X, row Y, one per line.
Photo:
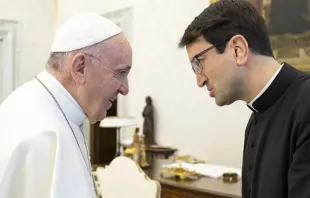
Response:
column 42, row 147
column 231, row 55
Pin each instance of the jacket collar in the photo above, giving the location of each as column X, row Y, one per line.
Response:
column 274, row 89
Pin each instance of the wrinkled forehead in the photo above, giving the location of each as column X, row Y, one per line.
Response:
column 118, row 52
column 196, row 47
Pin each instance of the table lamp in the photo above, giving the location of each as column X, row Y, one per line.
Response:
column 118, row 123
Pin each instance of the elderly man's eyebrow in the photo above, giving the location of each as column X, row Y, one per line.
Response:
column 122, row 67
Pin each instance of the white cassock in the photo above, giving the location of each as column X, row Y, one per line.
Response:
column 39, row 156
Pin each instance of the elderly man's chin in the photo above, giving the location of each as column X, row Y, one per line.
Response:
column 98, row 118
column 102, row 114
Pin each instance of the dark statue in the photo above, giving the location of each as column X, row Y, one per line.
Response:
column 148, row 123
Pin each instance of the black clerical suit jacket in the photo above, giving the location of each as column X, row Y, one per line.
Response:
column 276, row 158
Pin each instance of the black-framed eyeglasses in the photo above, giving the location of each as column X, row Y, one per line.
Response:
column 196, row 65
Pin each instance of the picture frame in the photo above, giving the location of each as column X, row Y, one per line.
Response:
column 288, row 25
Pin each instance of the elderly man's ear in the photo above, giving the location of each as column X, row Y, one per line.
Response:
column 78, row 65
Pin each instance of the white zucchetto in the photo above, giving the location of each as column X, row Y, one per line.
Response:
column 83, row 30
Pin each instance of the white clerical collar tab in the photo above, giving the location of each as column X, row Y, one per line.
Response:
column 250, row 104
column 252, row 108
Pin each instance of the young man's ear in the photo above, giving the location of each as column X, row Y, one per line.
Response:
column 239, row 48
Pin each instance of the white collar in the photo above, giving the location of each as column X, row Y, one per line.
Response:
column 71, row 108
column 250, row 104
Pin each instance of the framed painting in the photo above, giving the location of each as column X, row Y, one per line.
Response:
column 288, row 24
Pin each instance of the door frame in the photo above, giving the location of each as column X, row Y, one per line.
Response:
column 9, row 34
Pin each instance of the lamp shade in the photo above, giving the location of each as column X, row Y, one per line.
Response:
column 115, row 122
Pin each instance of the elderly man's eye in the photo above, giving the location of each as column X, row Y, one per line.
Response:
column 124, row 72
column 121, row 74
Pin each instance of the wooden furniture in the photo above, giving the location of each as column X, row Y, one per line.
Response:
column 202, row 188
column 123, row 178
column 160, row 152
column 117, row 123
column 103, row 140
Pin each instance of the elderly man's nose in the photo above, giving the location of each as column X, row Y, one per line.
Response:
column 124, row 88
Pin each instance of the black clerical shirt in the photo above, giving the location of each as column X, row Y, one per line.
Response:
column 276, row 158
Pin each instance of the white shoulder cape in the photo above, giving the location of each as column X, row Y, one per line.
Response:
column 39, row 156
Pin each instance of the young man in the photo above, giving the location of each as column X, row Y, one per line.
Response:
column 42, row 147
column 230, row 52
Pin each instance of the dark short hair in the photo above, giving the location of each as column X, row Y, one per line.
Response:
column 226, row 18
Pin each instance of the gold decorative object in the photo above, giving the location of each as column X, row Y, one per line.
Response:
column 137, row 150
column 180, row 173
column 230, row 177
column 143, row 158
column 188, row 159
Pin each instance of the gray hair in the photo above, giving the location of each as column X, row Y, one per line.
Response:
column 57, row 60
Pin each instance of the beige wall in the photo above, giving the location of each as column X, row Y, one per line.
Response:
column 186, row 117
column 36, row 22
